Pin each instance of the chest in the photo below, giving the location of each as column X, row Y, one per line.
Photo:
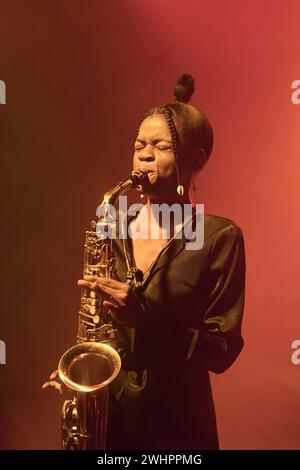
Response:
column 146, row 252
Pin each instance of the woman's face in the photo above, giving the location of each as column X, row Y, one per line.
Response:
column 154, row 153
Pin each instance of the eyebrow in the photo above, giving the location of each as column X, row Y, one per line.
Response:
column 155, row 141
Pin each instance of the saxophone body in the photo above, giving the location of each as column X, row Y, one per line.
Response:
column 93, row 363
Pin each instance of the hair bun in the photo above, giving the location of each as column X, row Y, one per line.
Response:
column 184, row 88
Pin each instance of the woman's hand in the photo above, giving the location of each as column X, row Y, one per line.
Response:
column 122, row 302
column 55, row 383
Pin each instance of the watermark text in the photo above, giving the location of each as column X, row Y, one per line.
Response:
column 160, row 221
column 295, row 97
column 2, row 92
column 2, row 352
column 295, row 357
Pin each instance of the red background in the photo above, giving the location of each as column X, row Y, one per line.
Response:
column 79, row 75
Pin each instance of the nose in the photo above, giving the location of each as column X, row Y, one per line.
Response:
column 147, row 157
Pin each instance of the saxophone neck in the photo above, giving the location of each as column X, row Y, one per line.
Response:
column 135, row 179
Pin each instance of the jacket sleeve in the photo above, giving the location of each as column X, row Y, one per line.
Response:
column 220, row 341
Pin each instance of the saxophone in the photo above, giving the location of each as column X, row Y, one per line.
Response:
column 92, row 364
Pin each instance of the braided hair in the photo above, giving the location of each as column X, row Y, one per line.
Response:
column 191, row 131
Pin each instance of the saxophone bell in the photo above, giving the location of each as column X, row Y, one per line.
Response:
column 87, row 369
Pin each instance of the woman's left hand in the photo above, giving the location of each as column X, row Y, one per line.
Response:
column 122, row 302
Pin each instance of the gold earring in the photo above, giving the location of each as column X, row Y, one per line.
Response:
column 180, row 190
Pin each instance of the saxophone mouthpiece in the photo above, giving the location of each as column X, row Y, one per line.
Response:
column 138, row 177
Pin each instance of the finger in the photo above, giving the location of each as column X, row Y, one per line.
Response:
column 90, row 284
column 102, row 280
column 82, row 282
column 110, row 305
column 53, row 384
column 113, row 283
column 89, row 277
column 54, row 375
column 115, row 294
column 95, row 286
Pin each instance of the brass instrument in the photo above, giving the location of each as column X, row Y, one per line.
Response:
column 91, row 365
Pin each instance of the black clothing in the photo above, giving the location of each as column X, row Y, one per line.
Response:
column 193, row 304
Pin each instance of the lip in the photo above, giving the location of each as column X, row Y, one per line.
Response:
column 146, row 170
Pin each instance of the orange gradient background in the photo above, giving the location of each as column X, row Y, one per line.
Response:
column 79, row 75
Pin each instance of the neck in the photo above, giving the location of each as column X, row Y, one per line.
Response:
column 166, row 223
column 177, row 199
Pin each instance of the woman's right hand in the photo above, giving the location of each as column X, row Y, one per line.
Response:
column 55, row 383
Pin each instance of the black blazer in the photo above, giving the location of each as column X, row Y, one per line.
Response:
column 192, row 305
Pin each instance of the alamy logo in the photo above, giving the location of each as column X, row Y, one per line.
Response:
column 2, row 352
column 161, row 221
column 295, row 98
column 2, row 92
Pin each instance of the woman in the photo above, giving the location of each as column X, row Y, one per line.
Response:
column 181, row 316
